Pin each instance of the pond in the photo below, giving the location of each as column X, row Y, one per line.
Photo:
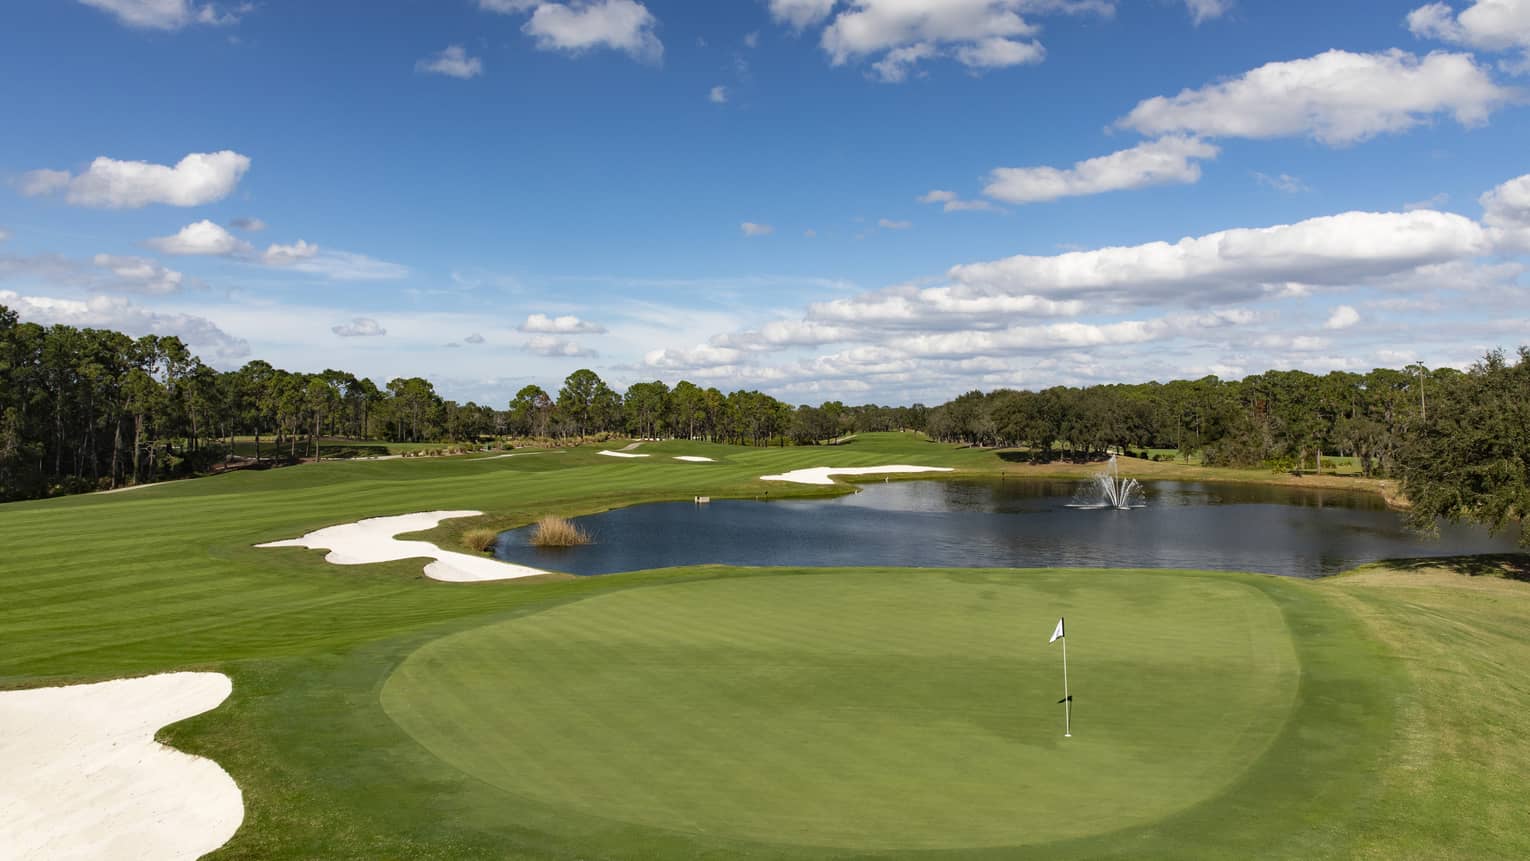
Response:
column 1010, row 524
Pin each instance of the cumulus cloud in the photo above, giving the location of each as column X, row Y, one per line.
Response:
column 558, row 348
column 1284, row 182
column 749, row 228
column 1336, row 98
column 453, row 61
column 196, row 180
column 288, row 255
column 202, row 238
column 474, row 338
column 1487, row 25
column 542, row 324
column 950, row 201
column 508, row 7
column 583, row 25
column 335, row 265
column 170, row 14
column 801, row 14
column 1432, row 202
column 890, row 224
column 360, row 327
column 248, row 225
column 1241, row 263
column 718, row 96
column 1342, row 317
column 139, row 275
column 1506, row 210
column 1205, row 10
column 895, row 36
column 1173, row 159
column 116, row 312
column 4, row 234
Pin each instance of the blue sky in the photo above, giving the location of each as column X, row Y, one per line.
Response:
column 889, row 200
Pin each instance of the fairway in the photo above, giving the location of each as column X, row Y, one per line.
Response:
column 870, row 710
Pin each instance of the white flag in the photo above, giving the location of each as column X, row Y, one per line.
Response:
column 1057, row 634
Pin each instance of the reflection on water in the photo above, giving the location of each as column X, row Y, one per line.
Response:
column 1014, row 523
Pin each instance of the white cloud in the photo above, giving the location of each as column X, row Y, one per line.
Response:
column 115, row 312
column 288, row 255
column 474, row 338
column 1243, row 263
column 1336, row 97
column 204, row 238
column 542, row 324
column 1487, row 25
column 248, row 225
column 1342, row 317
column 360, row 327
column 897, row 35
column 555, row 347
column 37, row 183
column 950, row 201
column 4, row 234
column 889, row 224
column 1432, row 202
column 1284, row 182
column 170, row 14
column 1205, row 10
column 801, row 14
column 338, row 265
column 749, row 228
column 1506, row 210
column 198, row 179
column 453, row 62
column 582, row 25
column 718, row 95
column 1170, row 159
column 508, row 7
column 139, row 275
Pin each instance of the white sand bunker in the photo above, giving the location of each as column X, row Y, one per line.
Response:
column 694, row 458
column 823, row 474
column 370, row 541
column 609, row 453
column 84, row 777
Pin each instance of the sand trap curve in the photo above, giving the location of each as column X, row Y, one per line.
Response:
column 84, row 777
column 366, row 542
column 694, row 458
column 609, row 453
column 824, row 474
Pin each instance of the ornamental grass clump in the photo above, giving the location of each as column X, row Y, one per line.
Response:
column 480, row 539
column 558, row 532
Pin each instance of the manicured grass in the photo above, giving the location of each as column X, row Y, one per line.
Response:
column 1402, row 737
column 865, row 710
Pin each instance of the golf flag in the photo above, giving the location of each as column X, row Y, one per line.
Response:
column 1057, row 634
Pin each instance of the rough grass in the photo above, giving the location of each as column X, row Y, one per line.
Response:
column 480, row 539
column 554, row 531
column 167, row 578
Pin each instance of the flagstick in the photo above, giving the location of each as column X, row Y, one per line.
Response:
column 1067, row 699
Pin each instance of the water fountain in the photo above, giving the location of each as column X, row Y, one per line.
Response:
column 1108, row 490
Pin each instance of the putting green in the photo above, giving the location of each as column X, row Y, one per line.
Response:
column 866, row 710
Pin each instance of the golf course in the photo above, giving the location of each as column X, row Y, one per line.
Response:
column 720, row 712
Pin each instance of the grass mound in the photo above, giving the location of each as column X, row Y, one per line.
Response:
column 558, row 532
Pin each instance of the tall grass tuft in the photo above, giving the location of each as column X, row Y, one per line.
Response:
column 480, row 539
column 558, row 532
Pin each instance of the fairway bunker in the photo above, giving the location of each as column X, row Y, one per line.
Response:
column 84, row 777
column 825, row 474
column 370, row 541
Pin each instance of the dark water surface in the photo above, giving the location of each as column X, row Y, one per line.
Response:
column 1003, row 524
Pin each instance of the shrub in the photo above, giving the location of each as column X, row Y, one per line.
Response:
column 480, row 539
column 558, row 532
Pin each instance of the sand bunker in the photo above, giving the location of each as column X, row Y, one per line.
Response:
column 694, row 458
column 369, row 541
column 84, row 777
column 822, row 474
column 609, row 453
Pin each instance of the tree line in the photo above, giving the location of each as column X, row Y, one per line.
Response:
column 89, row 409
